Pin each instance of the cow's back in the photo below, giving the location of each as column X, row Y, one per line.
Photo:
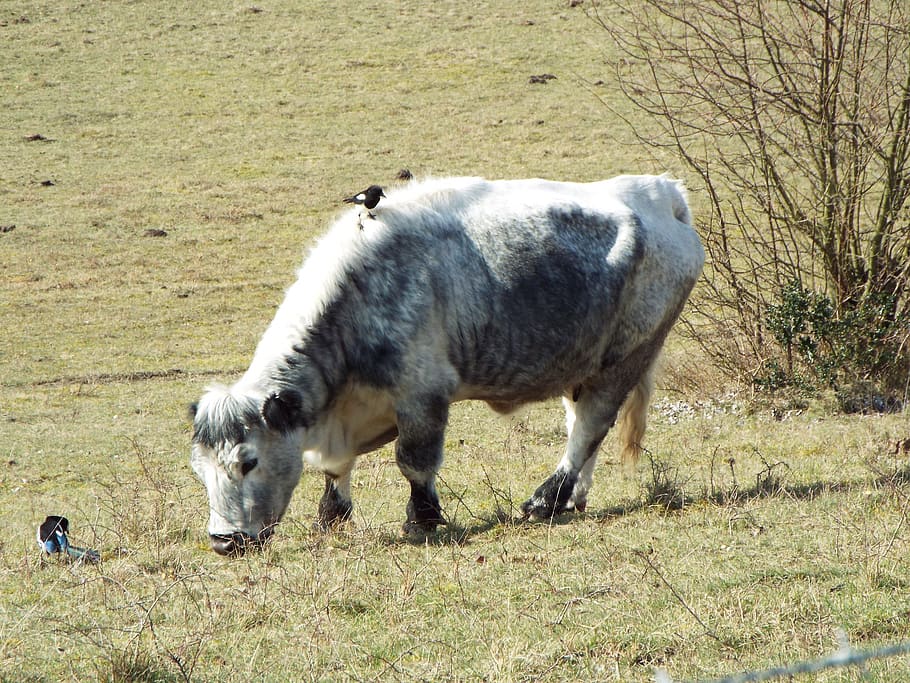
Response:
column 542, row 283
column 521, row 287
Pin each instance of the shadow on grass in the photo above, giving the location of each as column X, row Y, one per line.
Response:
column 665, row 494
column 772, row 486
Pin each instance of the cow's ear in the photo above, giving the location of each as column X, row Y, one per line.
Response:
column 282, row 411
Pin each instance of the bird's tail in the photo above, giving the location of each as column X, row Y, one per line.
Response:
column 84, row 554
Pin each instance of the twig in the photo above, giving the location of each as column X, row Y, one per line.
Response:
column 708, row 630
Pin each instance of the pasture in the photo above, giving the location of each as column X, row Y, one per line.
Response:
column 163, row 170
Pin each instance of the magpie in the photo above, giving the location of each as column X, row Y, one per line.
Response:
column 52, row 539
column 52, row 534
column 369, row 198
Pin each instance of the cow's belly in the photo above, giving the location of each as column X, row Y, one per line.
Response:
column 508, row 398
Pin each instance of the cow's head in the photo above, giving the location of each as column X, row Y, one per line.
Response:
column 247, row 452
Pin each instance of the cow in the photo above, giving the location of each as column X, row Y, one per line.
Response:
column 505, row 291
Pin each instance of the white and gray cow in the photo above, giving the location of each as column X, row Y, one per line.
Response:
column 506, row 291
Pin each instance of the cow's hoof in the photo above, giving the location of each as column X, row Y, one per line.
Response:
column 536, row 510
column 417, row 531
column 330, row 522
column 327, row 526
column 333, row 509
column 551, row 498
column 422, row 518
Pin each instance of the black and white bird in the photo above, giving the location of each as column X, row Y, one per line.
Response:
column 52, row 539
column 369, row 198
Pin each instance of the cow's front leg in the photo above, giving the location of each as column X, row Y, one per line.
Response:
column 335, row 507
column 421, row 433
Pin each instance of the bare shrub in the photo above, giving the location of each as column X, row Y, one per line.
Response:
column 794, row 118
column 664, row 489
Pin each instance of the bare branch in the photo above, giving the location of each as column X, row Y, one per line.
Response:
column 794, row 118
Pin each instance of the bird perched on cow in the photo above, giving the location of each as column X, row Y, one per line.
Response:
column 369, row 198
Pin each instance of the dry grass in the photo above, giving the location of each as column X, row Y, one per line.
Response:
column 236, row 131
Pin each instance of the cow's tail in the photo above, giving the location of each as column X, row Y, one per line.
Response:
column 633, row 419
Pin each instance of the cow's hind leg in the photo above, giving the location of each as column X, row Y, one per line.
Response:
column 579, row 498
column 588, row 420
column 630, row 424
column 421, row 433
column 590, row 413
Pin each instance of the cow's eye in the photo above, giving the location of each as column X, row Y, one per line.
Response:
column 247, row 466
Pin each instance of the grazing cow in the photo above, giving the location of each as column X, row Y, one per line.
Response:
column 504, row 291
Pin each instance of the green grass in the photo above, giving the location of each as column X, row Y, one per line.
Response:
column 237, row 132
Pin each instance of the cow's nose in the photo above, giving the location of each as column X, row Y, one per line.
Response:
column 232, row 545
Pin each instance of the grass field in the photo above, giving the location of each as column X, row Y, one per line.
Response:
column 748, row 539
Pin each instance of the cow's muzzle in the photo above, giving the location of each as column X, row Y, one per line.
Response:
column 237, row 543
